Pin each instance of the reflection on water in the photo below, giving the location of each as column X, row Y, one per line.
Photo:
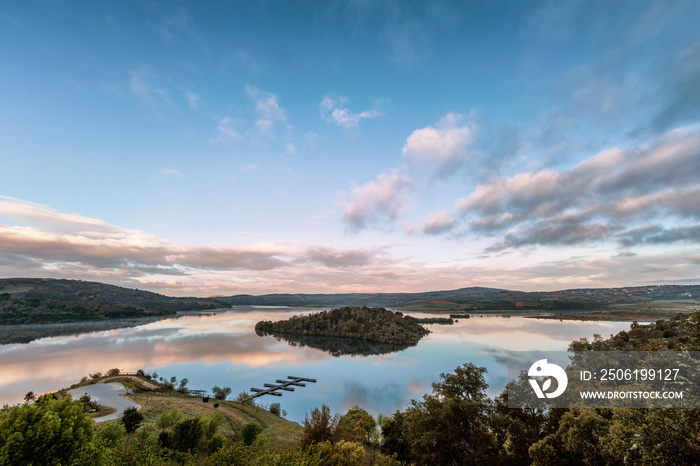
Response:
column 339, row 346
column 223, row 349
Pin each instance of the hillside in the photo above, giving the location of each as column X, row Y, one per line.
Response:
column 678, row 297
column 41, row 300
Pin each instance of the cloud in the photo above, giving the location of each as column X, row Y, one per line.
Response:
column 377, row 200
column 339, row 258
column 170, row 172
column 334, row 110
column 226, row 130
column 267, row 106
column 193, row 101
column 445, row 145
column 600, row 197
column 151, row 87
column 439, row 222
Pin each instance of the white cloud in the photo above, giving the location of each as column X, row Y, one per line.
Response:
column 334, row 110
column 377, row 200
column 268, row 108
column 446, row 144
column 170, row 172
column 290, row 148
column 439, row 222
column 226, row 130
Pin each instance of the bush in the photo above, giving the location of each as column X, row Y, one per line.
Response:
column 216, row 443
column 276, row 409
column 250, row 431
column 50, row 431
column 113, row 372
column 187, row 434
column 131, row 419
column 245, row 398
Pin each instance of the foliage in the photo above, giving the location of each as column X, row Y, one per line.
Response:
column 131, row 419
column 216, row 442
column 221, row 393
column 245, row 398
column 374, row 324
column 250, row 431
column 168, row 419
column 276, row 409
column 320, row 427
column 187, row 434
column 48, row 432
column 113, row 372
column 111, row 435
column 342, row 453
column 357, row 425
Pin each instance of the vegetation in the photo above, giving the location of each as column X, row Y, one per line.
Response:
column 40, row 301
column 676, row 297
column 373, row 324
column 457, row 423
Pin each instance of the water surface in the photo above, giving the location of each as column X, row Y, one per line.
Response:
column 222, row 349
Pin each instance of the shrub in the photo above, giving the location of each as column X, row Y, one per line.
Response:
column 216, row 443
column 187, row 434
column 131, row 419
column 250, row 431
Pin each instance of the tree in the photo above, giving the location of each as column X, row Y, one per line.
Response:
column 50, row 431
column 113, row 372
column 245, row 398
column 357, row 425
column 276, row 409
column 320, row 426
column 183, row 385
column 131, row 419
column 250, row 431
column 29, row 397
column 221, row 393
column 187, row 434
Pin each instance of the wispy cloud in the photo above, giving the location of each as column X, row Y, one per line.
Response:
column 377, row 201
column 170, row 172
column 334, row 109
column 226, row 130
column 268, row 109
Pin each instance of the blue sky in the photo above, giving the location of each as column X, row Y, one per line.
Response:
column 206, row 148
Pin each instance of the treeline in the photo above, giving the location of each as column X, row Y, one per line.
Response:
column 373, row 324
column 21, row 310
column 554, row 305
column 459, row 424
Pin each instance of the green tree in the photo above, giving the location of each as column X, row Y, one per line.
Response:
column 131, row 419
column 250, row 431
column 357, row 425
column 221, row 393
column 187, row 434
column 48, row 432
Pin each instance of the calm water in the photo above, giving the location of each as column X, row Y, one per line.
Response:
column 223, row 349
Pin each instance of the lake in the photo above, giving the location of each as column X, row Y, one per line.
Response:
column 222, row 349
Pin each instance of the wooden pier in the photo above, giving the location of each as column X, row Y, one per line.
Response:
column 272, row 389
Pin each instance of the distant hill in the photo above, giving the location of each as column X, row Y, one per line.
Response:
column 480, row 298
column 461, row 295
column 44, row 300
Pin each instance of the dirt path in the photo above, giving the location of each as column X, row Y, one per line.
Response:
column 233, row 414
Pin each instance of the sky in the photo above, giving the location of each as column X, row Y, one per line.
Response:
column 229, row 147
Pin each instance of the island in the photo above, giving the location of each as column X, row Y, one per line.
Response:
column 363, row 323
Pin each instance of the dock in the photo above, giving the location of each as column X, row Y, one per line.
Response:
column 287, row 385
